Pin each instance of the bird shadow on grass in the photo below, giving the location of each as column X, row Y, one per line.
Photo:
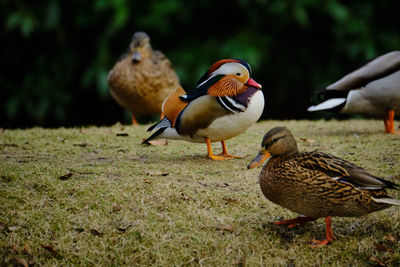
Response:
column 350, row 133
column 200, row 159
column 343, row 229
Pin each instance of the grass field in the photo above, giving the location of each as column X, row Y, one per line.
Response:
column 96, row 196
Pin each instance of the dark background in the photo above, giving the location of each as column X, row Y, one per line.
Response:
column 55, row 54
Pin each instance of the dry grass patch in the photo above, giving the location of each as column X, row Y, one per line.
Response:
column 95, row 196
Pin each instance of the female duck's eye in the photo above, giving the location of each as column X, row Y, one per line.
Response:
column 238, row 74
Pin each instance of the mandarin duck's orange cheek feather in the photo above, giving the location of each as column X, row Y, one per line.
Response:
column 221, row 62
column 227, row 86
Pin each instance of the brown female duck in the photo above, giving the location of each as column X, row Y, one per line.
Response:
column 315, row 184
column 142, row 79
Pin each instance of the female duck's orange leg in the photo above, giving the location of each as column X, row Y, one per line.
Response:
column 389, row 122
column 225, row 152
column 209, row 151
column 134, row 121
column 296, row 221
column 329, row 235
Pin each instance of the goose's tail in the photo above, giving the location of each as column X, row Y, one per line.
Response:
column 329, row 100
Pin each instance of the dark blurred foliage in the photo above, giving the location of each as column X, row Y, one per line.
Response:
column 56, row 54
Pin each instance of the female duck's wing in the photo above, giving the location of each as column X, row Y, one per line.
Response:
column 344, row 170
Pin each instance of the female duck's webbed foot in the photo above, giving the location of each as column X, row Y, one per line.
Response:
column 134, row 121
column 329, row 235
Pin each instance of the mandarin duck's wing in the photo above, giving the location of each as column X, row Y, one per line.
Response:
column 343, row 170
column 375, row 69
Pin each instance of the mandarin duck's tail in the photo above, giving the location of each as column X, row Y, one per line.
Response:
column 160, row 127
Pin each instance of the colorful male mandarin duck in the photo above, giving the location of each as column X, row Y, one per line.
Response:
column 225, row 102
column 372, row 90
column 142, row 79
column 316, row 184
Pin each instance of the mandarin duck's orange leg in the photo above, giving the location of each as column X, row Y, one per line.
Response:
column 225, row 152
column 295, row 222
column 209, row 151
column 389, row 122
column 329, row 235
column 134, row 121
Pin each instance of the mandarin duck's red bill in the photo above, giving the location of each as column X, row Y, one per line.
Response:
column 371, row 90
column 225, row 102
column 317, row 185
column 142, row 78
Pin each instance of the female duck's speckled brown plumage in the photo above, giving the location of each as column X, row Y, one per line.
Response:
column 142, row 79
column 316, row 184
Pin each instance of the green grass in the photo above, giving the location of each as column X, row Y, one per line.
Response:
column 101, row 199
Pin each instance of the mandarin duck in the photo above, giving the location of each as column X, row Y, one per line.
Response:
column 316, row 184
column 142, row 78
column 372, row 90
column 225, row 102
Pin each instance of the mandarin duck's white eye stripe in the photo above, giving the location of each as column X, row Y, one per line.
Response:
column 230, row 68
column 226, row 69
column 247, row 65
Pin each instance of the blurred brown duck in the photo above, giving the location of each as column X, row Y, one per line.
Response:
column 142, row 79
column 316, row 184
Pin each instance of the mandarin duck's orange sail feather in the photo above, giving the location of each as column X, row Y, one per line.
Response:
column 173, row 105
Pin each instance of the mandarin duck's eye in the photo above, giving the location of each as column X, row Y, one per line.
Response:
column 238, row 74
